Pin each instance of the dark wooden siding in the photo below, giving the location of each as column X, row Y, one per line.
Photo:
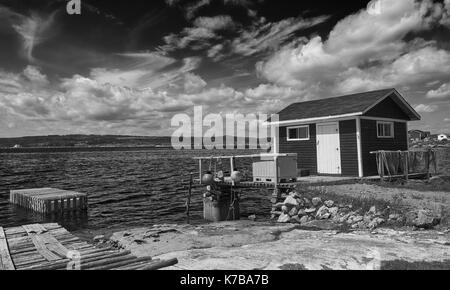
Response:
column 306, row 150
column 370, row 142
column 387, row 109
column 349, row 148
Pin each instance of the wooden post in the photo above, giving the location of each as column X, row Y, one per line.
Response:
column 188, row 204
column 200, row 170
column 406, row 166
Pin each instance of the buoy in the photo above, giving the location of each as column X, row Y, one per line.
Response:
column 208, row 178
column 236, row 176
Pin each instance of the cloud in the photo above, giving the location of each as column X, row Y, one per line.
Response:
column 426, row 108
column 364, row 51
column 442, row 92
column 215, row 23
column 33, row 29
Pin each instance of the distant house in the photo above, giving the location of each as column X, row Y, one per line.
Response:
column 335, row 136
column 418, row 135
column 442, row 137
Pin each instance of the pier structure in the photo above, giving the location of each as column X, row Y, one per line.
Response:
column 49, row 200
column 52, row 247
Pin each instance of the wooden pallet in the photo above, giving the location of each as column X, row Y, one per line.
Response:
column 51, row 247
column 49, row 200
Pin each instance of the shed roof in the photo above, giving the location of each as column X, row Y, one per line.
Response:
column 354, row 104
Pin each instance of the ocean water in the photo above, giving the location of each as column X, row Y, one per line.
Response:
column 125, row 188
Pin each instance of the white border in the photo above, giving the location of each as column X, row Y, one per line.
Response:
column 297, row 127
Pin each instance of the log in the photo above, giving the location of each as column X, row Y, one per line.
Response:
column 160, row 264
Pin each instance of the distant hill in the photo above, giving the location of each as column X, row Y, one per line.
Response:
column 83, row 141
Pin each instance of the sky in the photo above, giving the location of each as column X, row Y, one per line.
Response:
column 127, row 67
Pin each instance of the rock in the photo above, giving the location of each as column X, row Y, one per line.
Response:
column 334, row 211
column 329, row 203
column 426, row 219
column 307, row 202
column 372, row 210
column 394, row 217
column 322, row 212
column 301, row 212
column 358, row 219
column 375, row 223
column 284, row 218
column 284, row 209
column 295, row 194
column 310, row 210
column 252, row 217
column 293, row 212
column 305, row 219
column 290, row 201
column 316, row 201
column 295, row 220
column 99, row 238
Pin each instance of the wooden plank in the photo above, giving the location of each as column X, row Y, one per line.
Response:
column 40, row 241
column 6, row 262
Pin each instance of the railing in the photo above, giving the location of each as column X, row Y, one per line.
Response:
column 405, row 164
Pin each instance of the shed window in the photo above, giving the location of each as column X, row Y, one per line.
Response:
column 300, row 133
column 385, row 129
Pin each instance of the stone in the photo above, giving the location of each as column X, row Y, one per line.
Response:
column 358, row 219
column 306, row 202
column 305, row 219
column 295, row 220
column 316, row 201
column 394, row 217
column 284, row 209
column 293, row 212
column 426, row 219
column 295, row 194
column 252, row 217
column 372, row 210
column 334, row 211
column 284, row 218
column 290, row 201
column 329, row 203
column 301, row 212
column 310, row 210
column 322, row 212
column 99, row 238
column 375, row 223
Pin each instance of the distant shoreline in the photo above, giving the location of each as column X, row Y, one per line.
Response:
column 82, row 149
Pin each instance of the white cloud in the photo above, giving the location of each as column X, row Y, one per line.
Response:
column 219, row 22
column 422, row 108
column 364, row 51
column 442, row 92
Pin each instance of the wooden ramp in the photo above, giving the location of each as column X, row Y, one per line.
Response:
column 49, row 200
column 51, row 247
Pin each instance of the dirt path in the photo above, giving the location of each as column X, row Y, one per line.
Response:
column 248, row 245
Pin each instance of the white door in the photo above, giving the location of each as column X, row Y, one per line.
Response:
column 328, row 149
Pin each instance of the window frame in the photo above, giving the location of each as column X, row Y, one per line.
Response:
column 298, row 139
column 391, row 124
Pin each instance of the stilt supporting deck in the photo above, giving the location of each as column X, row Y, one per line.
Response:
column 49, row 200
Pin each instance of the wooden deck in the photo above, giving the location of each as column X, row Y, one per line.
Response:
column 49, row 200
column 51, row 247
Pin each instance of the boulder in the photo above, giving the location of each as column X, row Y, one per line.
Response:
column 329, row 203
column 99, row 238
column 426, row 219
column 372, row 210
column 295, row 194
column 284, row 218
column 334, row 211
column 295, row 220
column 305, row 219
column 284, row 209
column 310, row 210
column 293, row 212
column 316, row 201
column 301, row 212
column 323, row 213
column 290, row 201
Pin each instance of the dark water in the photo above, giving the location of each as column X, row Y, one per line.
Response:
column 126, row 188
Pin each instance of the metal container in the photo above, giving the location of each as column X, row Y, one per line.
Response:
column 264, row 170
column 219, row 210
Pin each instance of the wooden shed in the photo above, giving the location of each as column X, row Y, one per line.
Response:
column 335, row 136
